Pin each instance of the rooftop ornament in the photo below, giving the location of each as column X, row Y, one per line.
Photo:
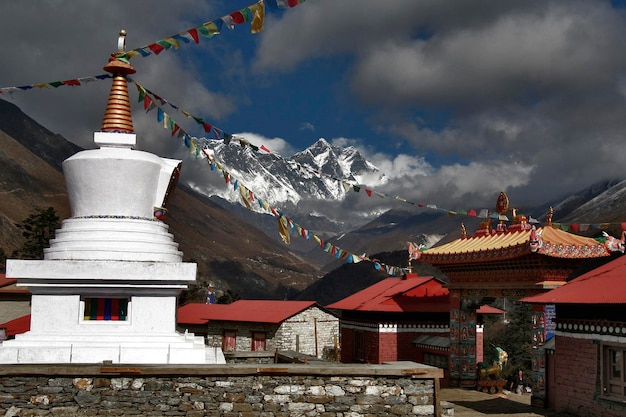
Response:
column 117, row 116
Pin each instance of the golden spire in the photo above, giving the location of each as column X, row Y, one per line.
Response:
column 117, row 117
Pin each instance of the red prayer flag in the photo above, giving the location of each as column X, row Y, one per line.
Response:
column 72, row 82
column 207, row 127
column 156, row 48
column 472, row 213
column 238, row 18
column 194, row 34
column 368, row 192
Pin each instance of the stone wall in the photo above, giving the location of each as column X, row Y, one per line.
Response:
column 312, row 332
column 236, row 390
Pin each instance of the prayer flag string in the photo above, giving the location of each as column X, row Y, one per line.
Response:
column 286, row 225
column 74, row 82
column 220, row 134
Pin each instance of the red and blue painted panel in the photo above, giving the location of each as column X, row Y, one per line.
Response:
column 114, row 309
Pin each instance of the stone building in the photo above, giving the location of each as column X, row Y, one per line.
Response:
column 264, row 325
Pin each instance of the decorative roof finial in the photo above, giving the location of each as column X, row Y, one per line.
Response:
column 549, row 216
column 117, row 116
column 463, row 231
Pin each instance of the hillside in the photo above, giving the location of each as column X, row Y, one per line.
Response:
column 230, row 253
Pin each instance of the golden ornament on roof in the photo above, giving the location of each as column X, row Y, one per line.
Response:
column 502, row 205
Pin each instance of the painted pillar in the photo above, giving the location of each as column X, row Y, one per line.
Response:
column 543, row 329
column 463, row 351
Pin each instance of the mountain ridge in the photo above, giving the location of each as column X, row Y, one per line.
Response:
column 231, row 254
column 240, row 250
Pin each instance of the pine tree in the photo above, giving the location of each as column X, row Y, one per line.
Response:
column 515, row 337
column 38, row 228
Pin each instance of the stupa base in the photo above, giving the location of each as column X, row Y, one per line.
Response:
column 92, row 348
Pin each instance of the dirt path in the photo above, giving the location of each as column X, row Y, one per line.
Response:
column 472, row 403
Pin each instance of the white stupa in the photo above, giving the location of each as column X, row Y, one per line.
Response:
column 107, row 287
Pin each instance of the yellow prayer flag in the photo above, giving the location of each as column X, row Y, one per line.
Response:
column 283, row 231
column 258, row 18
column 242, row 192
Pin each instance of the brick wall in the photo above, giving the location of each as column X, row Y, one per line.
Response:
column 373, row 390
column 577, row 379
column 347, row 345
column 576, row 373
column 372, row 340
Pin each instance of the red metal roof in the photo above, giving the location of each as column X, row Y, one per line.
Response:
column 4, row 281
column 17, row 326
column 9, row 285
column 410, row 294
column 603, row 285
column 256, row 311
column 487, row 309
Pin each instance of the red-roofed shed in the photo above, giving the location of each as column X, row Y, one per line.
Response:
column 263, row 325
column 16, row 326
column 14, row 300
column 397, row 319
column 487, row 309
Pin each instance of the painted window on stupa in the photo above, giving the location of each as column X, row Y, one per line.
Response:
column 105, row 309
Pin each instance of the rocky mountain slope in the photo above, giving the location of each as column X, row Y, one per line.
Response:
column 240, row 250
column 230, row 253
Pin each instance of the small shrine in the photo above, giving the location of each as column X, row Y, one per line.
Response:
column 107, row 287
column 510, row 259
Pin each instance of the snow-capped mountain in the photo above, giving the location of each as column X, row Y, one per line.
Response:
column 321, row 172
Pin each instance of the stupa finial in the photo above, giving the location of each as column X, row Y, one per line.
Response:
column 117, row 116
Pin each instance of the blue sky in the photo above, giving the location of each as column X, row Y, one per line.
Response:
column 454, row 101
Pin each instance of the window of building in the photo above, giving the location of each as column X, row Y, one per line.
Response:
column 359, row 346
column 105, row 309
column 229, row 340
column 614, row 371
column 258, row 341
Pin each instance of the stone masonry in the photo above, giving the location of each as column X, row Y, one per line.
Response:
column 312, row 332
column 294, row 390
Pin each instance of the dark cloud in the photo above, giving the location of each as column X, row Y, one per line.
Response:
column 527, row 97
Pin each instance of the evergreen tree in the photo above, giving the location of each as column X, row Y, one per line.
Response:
column 515, row 337
column 38, row 228
column 228, row 297
column 3, row 259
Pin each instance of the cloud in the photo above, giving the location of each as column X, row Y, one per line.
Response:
column 544, row 50
column 456, row 101
column 307, row 126
column 275, row 145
